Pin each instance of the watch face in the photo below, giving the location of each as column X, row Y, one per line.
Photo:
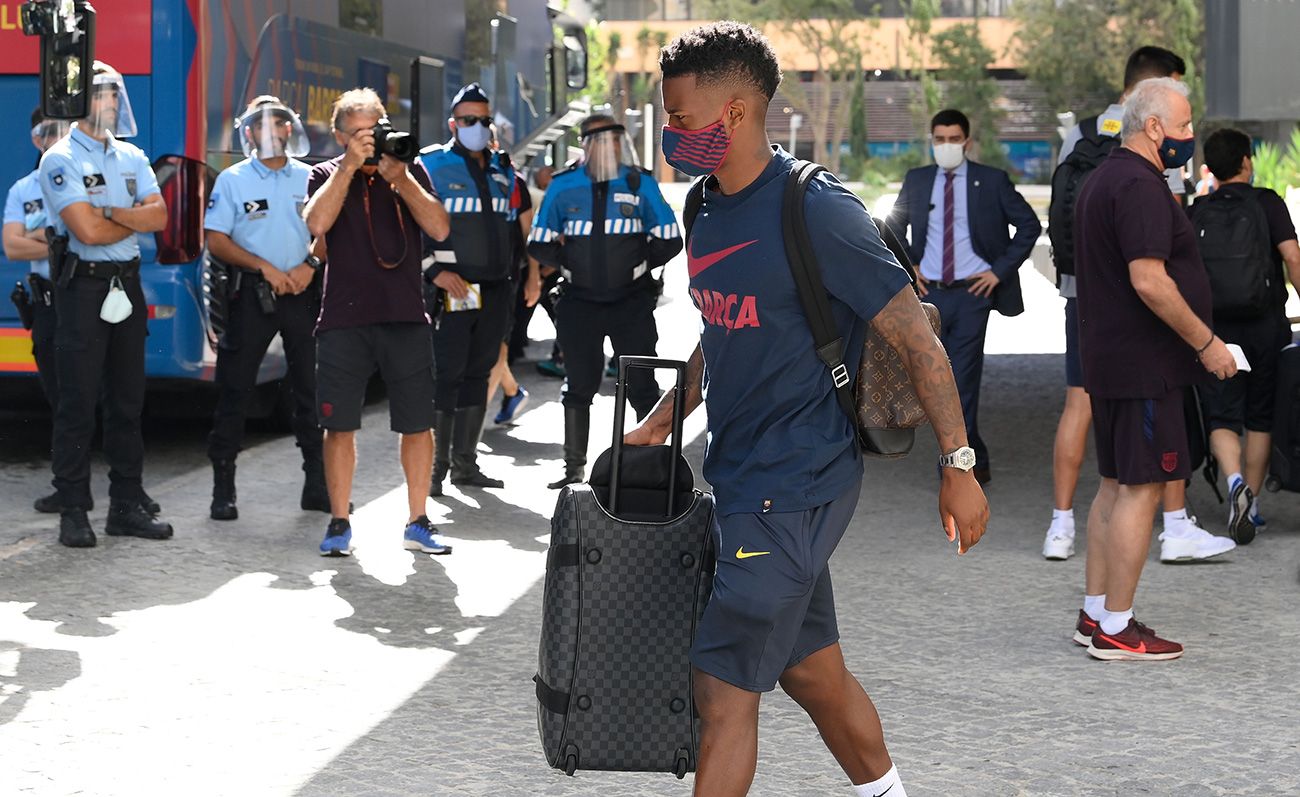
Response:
column 965, row 458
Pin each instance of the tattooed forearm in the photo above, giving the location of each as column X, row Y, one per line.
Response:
column 662, row 414
column 904, row 325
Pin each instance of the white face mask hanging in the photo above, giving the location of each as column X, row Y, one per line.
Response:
column 117, row 305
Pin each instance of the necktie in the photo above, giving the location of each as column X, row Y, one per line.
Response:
column 949, row 248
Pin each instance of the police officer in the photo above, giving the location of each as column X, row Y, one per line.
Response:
column 99, row 193
column 254, row 223
column 470, row 274
column 24, row 239
column 606, row 226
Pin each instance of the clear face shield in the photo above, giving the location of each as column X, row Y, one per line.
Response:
column 272, row 131
column 110, row 108
column 49, row 131
column 606, row 150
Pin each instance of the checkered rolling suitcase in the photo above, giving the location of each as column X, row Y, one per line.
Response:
column 628, row 573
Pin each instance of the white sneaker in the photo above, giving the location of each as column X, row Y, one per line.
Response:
column 1188, row 542
column 1059, row 544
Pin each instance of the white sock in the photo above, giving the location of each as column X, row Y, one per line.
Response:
column 1094, row 606
column 1063, row 520
column 1176, row 518
column 1233, row 480
column 889, row 783
column 1114, row 622
column 1254, row 507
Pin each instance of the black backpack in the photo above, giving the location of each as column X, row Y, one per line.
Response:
column 1067, row 182
column 1232, row 234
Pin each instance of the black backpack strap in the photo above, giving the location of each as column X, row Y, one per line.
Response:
column 1088, row 128
column 694, row 200
column 808, row 281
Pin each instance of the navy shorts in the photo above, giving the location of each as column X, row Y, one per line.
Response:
column 772, row 604
column 1073, row 365
column 1142, row 441
column 1247, row 400
column 346, row 359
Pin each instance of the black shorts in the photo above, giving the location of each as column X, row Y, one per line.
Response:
column 1247, row 400
column 772, row 603
column 1073, row 365
column 1141, row 441
column 345, row 360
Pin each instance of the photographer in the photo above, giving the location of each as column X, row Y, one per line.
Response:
column 472, row 272
column 370, row 208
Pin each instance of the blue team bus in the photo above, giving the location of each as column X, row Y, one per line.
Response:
column 190, row 67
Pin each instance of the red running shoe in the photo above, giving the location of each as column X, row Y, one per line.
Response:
column 1136, row 642
column 1084, row 628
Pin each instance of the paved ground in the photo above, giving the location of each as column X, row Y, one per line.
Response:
column 233, row 660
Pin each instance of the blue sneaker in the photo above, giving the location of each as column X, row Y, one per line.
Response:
column 511, row 406
column 419, row 536
column 338, row 538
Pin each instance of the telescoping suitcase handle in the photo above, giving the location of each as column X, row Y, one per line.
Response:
column 626, row 364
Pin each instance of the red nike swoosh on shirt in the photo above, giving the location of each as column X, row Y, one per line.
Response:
column 695, row 265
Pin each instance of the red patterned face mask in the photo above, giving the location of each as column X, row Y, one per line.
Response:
column 696, row 152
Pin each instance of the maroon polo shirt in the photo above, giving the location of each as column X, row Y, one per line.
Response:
column 1125, row 213
column 357, row 290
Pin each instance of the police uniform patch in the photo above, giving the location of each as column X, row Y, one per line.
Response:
column 130, row 186
column 32, row 205
column 500, row 178
column 56, row 177
column 455, row 186
column 256, row 208
column 631, row 199
column 94, row 181
column 627, row 210
column 212, row 201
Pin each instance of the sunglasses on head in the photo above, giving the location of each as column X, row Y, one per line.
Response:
column 470, row 120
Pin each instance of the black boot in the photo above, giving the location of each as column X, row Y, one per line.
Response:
column 51, row 505
column 74, row 529
column 315, row 493
column 131, row 519
column 577, row 423
column 443, row 425
column 151, row 506
column 464, row 449
column 223, row 490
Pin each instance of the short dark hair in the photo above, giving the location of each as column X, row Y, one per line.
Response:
column 601, row 119
column 951, row 116
column 38, row 116
column 723, row 52
column 1224, row 150
column 1152, row 61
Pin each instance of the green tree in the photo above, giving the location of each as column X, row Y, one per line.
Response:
column 830, row 31
column 1075, row 50
column 968, row 87
column 919, row 16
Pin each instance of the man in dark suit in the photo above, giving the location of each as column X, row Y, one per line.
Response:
column 958, row 213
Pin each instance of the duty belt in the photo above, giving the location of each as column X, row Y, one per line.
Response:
column 107, row 269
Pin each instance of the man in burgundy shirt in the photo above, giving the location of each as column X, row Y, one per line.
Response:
column 370, row 211
column 1144, row 324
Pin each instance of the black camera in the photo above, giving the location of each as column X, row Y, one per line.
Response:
column 393, row 142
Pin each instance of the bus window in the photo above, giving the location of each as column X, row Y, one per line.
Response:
column 428, row 117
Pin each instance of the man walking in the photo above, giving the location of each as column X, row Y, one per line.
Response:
column 784, row 495
column 1144, row 321
column 958, row 212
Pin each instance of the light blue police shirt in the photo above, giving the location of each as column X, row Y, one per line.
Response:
column 80, row 169
column 25, row 204
column 260, row 208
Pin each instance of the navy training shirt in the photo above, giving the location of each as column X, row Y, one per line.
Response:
column 778, row 439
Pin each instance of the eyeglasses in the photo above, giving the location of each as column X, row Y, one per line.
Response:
column 471, row 120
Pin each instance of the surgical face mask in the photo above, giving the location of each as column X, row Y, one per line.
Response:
column 117, row 305
column 949, row 156
column 474, row 138
column 697, row 152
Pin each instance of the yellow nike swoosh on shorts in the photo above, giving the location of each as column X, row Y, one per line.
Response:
column 741, row 553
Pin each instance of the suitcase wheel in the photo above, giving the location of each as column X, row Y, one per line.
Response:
column 571, row 765
column 679, row 769
column 1272, row 483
